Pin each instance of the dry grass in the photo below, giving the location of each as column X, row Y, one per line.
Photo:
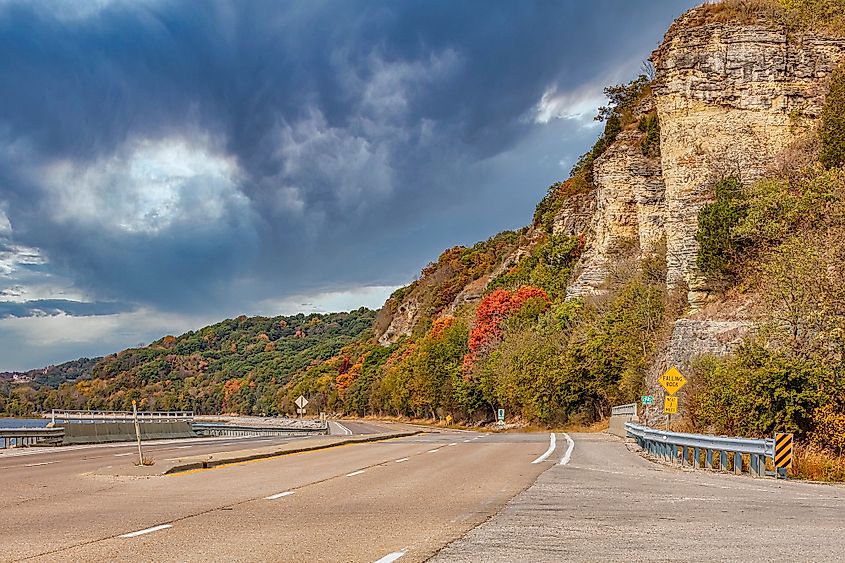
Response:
column 147, row 460
column 738, row 11
column 827, row 16
column 817, row 465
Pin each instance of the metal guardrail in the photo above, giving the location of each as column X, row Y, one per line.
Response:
column 20, row 437
column 118, row 416
column 624, row 410
column 234, row 430
column 686, row 449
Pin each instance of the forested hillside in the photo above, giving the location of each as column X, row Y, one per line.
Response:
column 239, row 365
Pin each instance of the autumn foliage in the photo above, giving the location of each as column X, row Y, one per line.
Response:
column 494, row 309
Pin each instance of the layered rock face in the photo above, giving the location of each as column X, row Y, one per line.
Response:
column 629, row 211
column 729, row 99
column 575, row 216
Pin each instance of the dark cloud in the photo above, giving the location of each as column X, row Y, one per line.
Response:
column 204, row 156
column 53, row 307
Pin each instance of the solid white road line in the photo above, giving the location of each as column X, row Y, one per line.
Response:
column 467, row 441
column 346, row 431
column 453, row 444
column 434, row 450
column 354, row 473
column 391, row 557
column 401, row 460
column 147, row 531
column 552, row 443
column 279, row 495
column 183, row 447
column 121, row 455
column 568, row 453
column 39, row 464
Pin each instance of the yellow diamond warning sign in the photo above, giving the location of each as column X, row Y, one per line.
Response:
column 672, row 380
column 670, row 404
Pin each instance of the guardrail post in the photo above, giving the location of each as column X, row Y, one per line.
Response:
column 708, row 458
column 737, row 463
column 696, row 459
column 723, row 460
column 753, row 465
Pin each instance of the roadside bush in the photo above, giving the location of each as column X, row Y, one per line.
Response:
column 756, row 392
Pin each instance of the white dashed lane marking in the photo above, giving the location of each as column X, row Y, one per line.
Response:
column 391, row 557
column 279, row 495
column 147, row 531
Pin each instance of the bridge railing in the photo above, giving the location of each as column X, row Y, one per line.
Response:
column 720, row 452
column 624, row 410
column 235, row 430
column 30, row 436
column 118, row 416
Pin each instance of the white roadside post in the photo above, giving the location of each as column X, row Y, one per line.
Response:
column 137, row 432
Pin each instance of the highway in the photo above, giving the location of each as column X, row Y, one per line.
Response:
column 451, row 495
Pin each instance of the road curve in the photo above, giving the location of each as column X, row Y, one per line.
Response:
column 608, row 504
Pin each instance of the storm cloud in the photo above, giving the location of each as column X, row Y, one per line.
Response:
column 205, row 157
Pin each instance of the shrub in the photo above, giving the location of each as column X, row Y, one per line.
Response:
column 548, row 267
column 757, row 392
column 832, row 128
column 718, row 248
column 650, row 126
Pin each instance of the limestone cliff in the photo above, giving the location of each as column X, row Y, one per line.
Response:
column 628, row 211
column 730, row 98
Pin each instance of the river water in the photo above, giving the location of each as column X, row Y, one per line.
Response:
column 24, row 422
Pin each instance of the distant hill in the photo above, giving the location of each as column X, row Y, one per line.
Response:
column 53, row 376
column 238, row 365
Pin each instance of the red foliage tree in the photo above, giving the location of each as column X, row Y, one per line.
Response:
column 493, row 310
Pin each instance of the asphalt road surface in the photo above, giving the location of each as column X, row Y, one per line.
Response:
column 608, row 504
column 356, row 502
column 454, row 496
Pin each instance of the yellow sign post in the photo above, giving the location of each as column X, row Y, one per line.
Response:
column 672, row 380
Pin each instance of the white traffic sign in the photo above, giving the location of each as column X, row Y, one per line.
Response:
column 301, row 402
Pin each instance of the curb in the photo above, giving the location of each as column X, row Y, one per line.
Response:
column 188, row 466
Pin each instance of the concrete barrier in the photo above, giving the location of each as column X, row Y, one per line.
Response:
column 99, row 433
column 619, row 415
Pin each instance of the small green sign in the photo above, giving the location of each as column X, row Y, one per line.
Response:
column 648, row 400
column 501, row 415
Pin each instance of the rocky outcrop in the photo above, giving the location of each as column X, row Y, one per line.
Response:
column 402, row 322
column 730, row 98
column 575, row 215
column 629, row 211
